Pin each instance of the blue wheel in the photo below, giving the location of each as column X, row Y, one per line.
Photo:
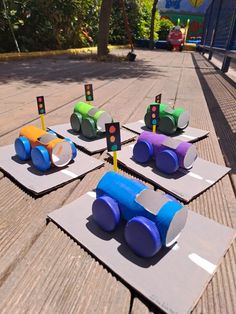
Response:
column 106, row 213
column 167, row 161
column 142, row 236
column 22, row 148
column 142, row 151
column 74, row 150
column 40, row 158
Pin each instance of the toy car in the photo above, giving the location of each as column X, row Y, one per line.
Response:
column 44, row 148
column 154, row 219
column 170, row 120
column 89, row 120
column 169, row 154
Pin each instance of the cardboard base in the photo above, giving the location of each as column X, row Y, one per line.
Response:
column 184, row 184
column 40, row 182
column 175, row 278
column 187, row 135
column 92, row 146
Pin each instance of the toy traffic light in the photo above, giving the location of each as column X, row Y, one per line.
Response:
column 41, row 110
column 41, row 105
column 154, row 116
column 158, row 99
column 113, row 140
column 113, row 136
column 88, row 92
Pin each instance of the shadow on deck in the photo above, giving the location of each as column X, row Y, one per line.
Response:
column 220, row 95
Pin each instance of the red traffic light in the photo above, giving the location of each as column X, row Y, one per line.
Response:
column 88, row 92
column 154, row 114
column 112, row 129
column 41, row 105
column 113, row 136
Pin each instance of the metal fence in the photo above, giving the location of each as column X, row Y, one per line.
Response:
column 220, row 31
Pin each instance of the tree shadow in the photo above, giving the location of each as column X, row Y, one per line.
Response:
column 63, row 69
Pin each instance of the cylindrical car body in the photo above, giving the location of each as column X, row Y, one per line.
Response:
column 89, row 120
column 170, row 120
column 60, row 151
column 134, row 199
column 169, row 154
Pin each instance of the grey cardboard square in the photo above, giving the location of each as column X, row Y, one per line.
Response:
column 91, row 145
column 175, row 278
column 39, row 182
column 187, row 135
column 183, row 184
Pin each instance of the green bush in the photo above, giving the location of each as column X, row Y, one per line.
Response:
column 165, row 26
column 62, row 24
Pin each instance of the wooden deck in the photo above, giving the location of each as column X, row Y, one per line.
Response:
column 41, row 268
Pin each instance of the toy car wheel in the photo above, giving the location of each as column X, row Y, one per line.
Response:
column 147, row 120
column 106, row 213
column 22, row 148
column 40, row 158
column 74, row 150
column 167, row 125
column 88, row 128
column 142, row 151
column 167, row 161
column 142, row 236
column 75, row 121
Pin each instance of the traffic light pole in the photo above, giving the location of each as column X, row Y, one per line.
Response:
column 41, row 110
column 115, row 165
column 43, row 122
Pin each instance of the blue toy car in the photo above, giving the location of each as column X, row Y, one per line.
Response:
column 154, row 219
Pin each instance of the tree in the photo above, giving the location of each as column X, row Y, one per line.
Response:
column 165, row 26
column 151, row 38
column 103, row 32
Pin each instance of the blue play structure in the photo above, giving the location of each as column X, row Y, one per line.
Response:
column 154, row 219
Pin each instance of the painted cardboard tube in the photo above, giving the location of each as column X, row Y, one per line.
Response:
column 165, row 216
column 100, row 117
column 75, row 121
column 170, row 119
column 155, row 139
column 60, row 151
column 185, row 153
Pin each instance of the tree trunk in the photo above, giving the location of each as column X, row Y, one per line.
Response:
column 103, row 32
column 151, row 37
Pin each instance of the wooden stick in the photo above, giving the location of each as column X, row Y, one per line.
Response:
column 115, row 161
column 43, row 122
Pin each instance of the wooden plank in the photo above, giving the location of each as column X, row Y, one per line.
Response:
column 82, row 284
column 28, row 247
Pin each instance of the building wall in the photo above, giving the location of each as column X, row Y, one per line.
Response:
column 187, row 6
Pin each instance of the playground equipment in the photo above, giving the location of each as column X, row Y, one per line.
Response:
column 154, row 219
column 89, row 120
column 169, row 154
column 177, row 36
column 44, row 148
column 170, row 120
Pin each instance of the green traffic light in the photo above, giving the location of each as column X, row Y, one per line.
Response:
column 114, row 148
